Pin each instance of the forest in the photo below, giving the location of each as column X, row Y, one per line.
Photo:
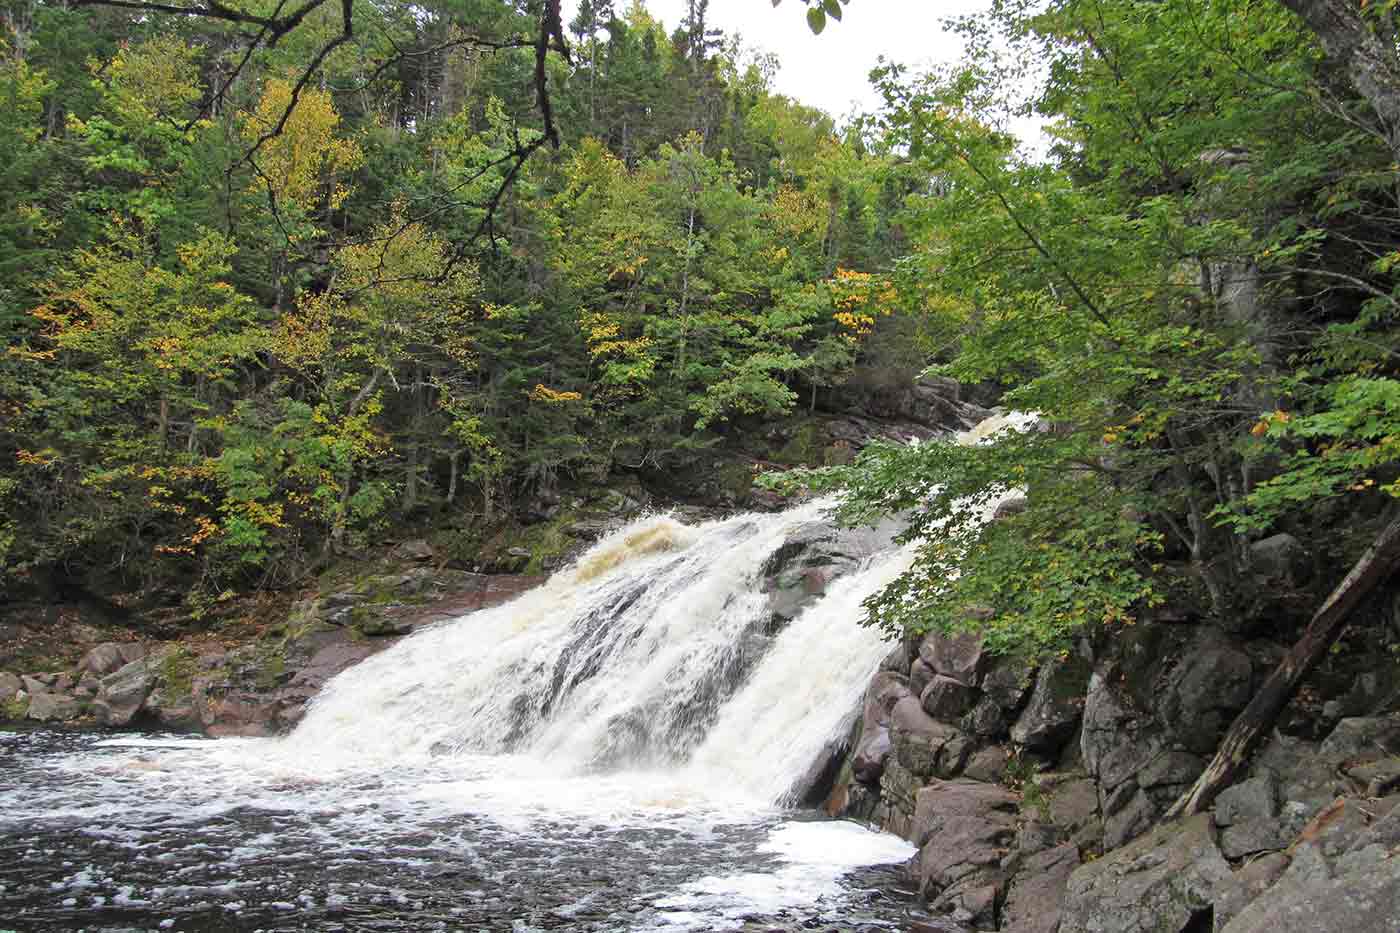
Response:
column 272, row 287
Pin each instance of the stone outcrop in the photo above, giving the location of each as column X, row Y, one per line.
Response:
column 1036, row 795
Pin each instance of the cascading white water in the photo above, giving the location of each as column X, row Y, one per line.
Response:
column 629, row 658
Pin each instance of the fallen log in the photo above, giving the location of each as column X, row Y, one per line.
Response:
column 1251, row 725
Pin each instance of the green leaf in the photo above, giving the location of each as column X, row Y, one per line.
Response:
column 833, row 9
column 816, row 19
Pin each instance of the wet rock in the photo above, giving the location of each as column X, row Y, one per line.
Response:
column 1164, row 881
column 946, row 699
column 121, row 694
column 1038, row 889
column 53, row 707
column 963, row 829
column 868, row 763
column 1054, row 709
column 1014, row 505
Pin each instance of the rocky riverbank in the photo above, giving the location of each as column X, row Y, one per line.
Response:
column 1036, row 795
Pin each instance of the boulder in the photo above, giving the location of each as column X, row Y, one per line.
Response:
column 964, row 829
column 1055, row 707
column 123, row 692
column 986, row 719
column 1007, row 682
column 946, row 699
column 917, row 738
column 1362, row 739
column 417, row 550
column 103, row 659
column 1254, row 799
column 1278, row 557
column 1038, row 891
column 868, row 762
column 1359, row 893
column 959, row 657
column 53, row 707
column 1211, row 683
column 10, row 686
column 1168, row 880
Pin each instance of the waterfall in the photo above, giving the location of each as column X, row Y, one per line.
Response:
column 655, row 650
column 658, row 649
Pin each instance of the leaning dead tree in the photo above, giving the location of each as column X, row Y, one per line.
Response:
column 1254, row 723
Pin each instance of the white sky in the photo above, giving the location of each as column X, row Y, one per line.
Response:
column 829, row 71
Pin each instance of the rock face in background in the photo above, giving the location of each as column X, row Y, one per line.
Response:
column 1036, row 794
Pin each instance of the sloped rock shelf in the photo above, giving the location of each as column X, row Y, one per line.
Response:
column 145, row 833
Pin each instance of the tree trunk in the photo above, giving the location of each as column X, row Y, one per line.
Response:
column 1368, row 55
column 1258, row 717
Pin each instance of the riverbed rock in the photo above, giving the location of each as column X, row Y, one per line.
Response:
column 53, row 707
column 123, row 692
column 1162, row 881
column 964, row 829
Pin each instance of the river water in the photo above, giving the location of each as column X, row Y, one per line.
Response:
column 619, row 749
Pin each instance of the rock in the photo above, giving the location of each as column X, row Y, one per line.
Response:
column 919, row 676
column 1210, row 684
column 10, row 686
column 1379, row 777
column 1006, row 508
column 1114, row 743
column 1038, row 889
column 1362, row 897
column 1074, row 806
column 1054, row 709
column 1278, row 557
column 1165, row 881
column 104, row 659
column 33, row 684
column 957, row 656
column 1254, row 836
column 1128, row 818
column 1007, row 683
column 987, row 765
column 53, row 707
column 1254, row 799
column 963, row 829
column 986, row 719
column 1252, row 879
column 1170, row 769
column 122, row 693
column 868, row 762
column 917, row 738
column 898, row 789
column 1362, row 739
column 946, row 699
column 416, row 549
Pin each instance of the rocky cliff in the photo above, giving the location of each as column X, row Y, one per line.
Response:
column 1036, row 794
